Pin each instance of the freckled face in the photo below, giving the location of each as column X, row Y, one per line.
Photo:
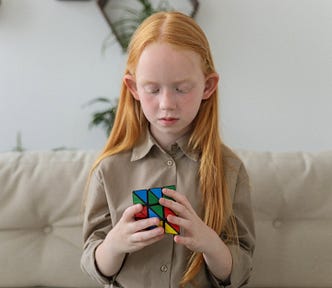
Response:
column 170, row 85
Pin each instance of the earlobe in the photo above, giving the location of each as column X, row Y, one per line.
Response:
column 130, row 82
column 211, row 84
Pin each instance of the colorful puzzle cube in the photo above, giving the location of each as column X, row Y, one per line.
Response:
column 149, row 198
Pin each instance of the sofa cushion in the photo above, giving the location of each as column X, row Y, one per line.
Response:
column 292, row 201
column 40, row 218
column 41, row 221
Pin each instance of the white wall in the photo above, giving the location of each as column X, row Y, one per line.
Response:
column 51, row 64
column 274, row 58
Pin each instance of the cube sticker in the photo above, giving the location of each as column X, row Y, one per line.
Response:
column 149, row 198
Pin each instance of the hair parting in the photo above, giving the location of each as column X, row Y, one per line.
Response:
column 130, row 124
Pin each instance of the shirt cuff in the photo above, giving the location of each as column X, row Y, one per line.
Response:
column 241, row 270
column 89, row 265
column 217, row 282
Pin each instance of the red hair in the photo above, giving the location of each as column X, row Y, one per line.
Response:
column 130, row 123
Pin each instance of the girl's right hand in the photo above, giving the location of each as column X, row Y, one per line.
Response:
column 127, row 236
column 130, row 235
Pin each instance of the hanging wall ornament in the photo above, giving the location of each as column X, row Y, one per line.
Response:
column 124, row 16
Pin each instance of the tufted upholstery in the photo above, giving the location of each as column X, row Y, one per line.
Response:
column 292, row 200
column 40, row 220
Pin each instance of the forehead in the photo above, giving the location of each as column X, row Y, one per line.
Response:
column 163, row 59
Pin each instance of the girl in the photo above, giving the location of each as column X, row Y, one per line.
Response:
column 166, row 133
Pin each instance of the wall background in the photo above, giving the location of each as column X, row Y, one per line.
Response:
column 274, row 58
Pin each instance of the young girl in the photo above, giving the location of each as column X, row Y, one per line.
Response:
column 166, row 133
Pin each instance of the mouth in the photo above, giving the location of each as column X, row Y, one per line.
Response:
column 168, row 120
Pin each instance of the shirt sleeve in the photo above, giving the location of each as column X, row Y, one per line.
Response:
column 242, row 254
column 96, row 224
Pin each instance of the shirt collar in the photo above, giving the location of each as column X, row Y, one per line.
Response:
column 143, row 147
column 147, row 141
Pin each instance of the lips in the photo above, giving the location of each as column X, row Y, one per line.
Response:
column 168, row 120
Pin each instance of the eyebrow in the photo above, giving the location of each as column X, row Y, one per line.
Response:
column 149, row 82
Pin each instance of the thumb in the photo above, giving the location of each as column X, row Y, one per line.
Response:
column 130, row 212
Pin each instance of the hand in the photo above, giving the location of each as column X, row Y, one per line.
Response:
column 196, row 235
column 129, row 235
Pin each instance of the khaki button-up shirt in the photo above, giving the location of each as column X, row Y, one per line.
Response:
column 161, row 264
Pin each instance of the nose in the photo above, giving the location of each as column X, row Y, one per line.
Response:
column 167, row 100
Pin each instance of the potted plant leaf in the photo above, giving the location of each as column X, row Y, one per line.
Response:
column 123, row 17
column 104, row 117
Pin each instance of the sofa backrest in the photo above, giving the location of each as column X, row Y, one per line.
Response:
column 40, row 218
column 41, row 222
column 292, row 201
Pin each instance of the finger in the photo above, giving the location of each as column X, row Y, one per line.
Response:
column 180, row 198
column 170, row 193
column 143, row 224
column 147, row 235
column 176, row 207
column 183, row 223
column 182, row 240
column 150, row 241
column 130, row 212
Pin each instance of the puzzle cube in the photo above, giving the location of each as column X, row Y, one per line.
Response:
column 149, row 198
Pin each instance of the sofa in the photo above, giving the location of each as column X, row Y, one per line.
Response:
column 41, row 218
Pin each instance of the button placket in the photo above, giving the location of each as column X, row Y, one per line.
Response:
column 277, row 223
column 170, row 162
column 47, row 229
column 163, row 268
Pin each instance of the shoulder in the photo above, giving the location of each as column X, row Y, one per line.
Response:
column 112, row 163
column 230, row 158
column 234, row 168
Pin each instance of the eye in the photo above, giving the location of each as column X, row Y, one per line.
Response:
column 151, row 89
column 179, row 90
column 182, row 89
column 154, row 91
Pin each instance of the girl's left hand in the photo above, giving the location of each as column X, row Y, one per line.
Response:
column 196, row 235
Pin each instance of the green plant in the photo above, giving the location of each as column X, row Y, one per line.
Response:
column 125, row 18
column 105, row 117
column 19, row 147
column 125, row 27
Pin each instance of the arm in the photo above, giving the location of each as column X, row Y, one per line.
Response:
column 96, row 224
column 218, row 257
column 226, row 263
column 105, row 244
column 243, row 253
column 197, row 235
column 127, row 236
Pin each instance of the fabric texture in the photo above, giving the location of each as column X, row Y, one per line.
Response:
column 147, row 165
column 41, row 221
column 292, row 202
column 40, row 218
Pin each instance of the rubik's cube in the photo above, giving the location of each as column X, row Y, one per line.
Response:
column 149, row 198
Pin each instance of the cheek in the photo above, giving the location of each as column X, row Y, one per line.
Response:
column 148, row 104
column 192, row 100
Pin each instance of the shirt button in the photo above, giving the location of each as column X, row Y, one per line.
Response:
column 169, row 163
column 277, row 223
column 163, row 268
column 47, row 229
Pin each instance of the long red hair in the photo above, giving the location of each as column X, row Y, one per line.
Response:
column 130, row 123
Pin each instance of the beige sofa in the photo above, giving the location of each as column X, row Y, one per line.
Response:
column 40, row 220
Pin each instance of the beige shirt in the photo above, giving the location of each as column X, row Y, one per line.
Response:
column 162, row 264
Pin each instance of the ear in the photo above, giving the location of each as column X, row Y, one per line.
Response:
column 130, row 82
column 211, row 84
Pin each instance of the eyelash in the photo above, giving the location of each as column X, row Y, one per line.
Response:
column 157, row 90
column 154, row 91
column 180, row 90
